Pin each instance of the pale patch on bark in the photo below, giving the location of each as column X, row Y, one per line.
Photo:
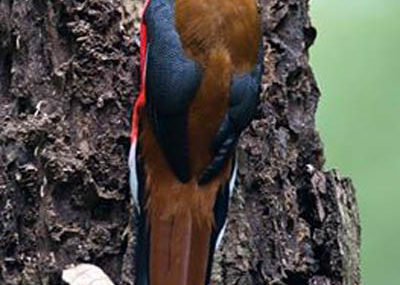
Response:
column 86, row 274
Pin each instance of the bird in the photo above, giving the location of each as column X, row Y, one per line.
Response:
column 201, row 65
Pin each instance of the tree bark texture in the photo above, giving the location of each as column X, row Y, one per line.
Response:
column 68, row 77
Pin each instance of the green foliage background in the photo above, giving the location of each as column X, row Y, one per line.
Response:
column 356, row 59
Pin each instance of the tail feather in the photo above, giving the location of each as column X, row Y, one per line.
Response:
column 142, row 249
column 179, row 251
column 170, row 250
column 179, row 223
column 199, row 254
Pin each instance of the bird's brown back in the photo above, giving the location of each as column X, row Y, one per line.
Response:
column 223, row 35
column 204, row 25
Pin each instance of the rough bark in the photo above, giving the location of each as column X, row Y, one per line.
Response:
column 68, row 77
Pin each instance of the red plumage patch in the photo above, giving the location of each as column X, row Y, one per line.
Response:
column 142, row 87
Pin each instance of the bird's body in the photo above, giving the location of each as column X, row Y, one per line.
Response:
column 181, row 219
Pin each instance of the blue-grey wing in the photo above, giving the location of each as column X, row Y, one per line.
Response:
column 172, row 80
column 244, row 99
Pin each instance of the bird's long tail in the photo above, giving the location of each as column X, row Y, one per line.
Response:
column 179, row 249
column 179, row 224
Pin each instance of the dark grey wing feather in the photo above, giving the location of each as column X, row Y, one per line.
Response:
column 244, row 99
column 172, row 80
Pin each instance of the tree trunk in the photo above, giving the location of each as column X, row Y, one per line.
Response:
column 68, row 77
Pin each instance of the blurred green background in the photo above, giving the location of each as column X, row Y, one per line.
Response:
column 356, row 59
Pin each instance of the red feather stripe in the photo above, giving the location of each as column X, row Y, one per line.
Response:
column 142, row 87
